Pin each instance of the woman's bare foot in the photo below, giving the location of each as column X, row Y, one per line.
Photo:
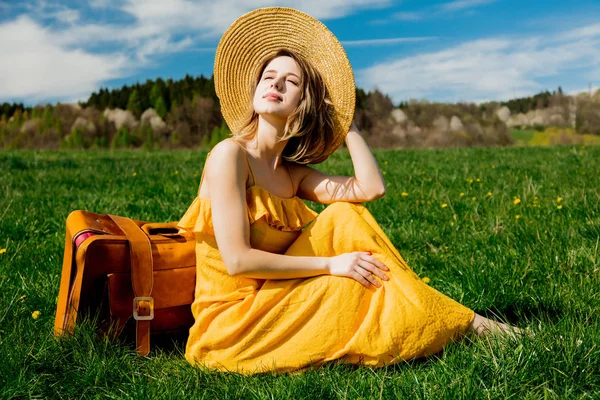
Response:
column 482, row 326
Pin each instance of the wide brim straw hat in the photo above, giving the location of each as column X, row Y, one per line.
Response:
column 259, row 34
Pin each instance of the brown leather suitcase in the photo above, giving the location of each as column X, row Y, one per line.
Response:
column 127, row 273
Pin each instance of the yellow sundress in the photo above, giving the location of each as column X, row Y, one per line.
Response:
column 251, row 325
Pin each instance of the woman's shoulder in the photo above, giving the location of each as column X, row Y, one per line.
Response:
column 227, row 152
column 226, row 157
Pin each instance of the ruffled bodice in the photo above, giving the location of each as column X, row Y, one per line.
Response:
column 274, row 221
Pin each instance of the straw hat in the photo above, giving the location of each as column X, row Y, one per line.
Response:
column 255, row 36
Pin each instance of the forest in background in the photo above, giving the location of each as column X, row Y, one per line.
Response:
column 186, row 114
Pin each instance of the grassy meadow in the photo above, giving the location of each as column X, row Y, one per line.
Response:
column 513, row 233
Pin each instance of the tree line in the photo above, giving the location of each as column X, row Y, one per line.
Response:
column 536, row 102
column 162, row 95
column 165, row 94
column 186, row 113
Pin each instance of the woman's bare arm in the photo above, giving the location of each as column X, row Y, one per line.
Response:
column 367, row 183
column 226, row 174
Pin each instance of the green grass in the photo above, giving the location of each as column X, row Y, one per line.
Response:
column 522, row 136
column 531, row 263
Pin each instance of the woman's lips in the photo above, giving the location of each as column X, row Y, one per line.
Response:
column 272, row 96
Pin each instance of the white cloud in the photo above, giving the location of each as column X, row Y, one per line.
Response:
column 161, row 45
column 68, row 16
column 591, row 88
column 583, row 32
column 371, row 42
column 42, row 10
column 55, row 53
column 39, row 68
column 435, row 11
column 492, row 69
column 100, row 3
column 464, row 4
column 157, row 21
column 213, row 18
column 408, row 16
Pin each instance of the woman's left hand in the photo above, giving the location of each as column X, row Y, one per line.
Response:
column 353, row 128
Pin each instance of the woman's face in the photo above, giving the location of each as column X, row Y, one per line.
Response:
column 278, row 90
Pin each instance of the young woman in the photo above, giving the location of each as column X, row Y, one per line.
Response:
column 273, row 292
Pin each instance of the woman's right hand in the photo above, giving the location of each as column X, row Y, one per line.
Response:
column 360, row 266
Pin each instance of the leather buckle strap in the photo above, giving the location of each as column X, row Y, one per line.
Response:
column 142, row 280
column 143, row 308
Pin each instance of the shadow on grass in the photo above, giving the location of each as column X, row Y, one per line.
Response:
column 89, row 329
column 521, row 312
column 171, row 345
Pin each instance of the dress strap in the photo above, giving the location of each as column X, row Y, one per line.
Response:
column 247, row 160
column 290, row 175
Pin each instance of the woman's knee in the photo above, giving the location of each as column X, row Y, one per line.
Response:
column 340, row 206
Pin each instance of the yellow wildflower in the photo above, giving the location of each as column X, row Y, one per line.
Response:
column 517, row 216
column 559, row 199
column 559, row 206
column 426, row 280
column 134, row 173
column 176, row 172
column 404, row 194
column 35, row 314
column 474, row 198
column 489, row 194
column 470, row 180
column 517, row 201
column 2, row 251
column 444, row 205
column 478, row 180
column 385, row 173
column 385, row 162
column 493, row 166
column 461, row 194
column 428, row 202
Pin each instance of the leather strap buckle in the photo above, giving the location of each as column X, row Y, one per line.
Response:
column 145, row 306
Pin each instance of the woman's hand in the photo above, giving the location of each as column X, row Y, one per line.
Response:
column 358, row 265
column 353, row 128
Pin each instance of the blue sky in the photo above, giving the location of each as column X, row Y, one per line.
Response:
column 452, row 50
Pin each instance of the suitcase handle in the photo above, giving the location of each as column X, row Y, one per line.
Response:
column 159, row 228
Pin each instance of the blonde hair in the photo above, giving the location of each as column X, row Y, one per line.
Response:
column 310, row 128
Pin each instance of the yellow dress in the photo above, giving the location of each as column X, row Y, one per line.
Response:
column 254, row 325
